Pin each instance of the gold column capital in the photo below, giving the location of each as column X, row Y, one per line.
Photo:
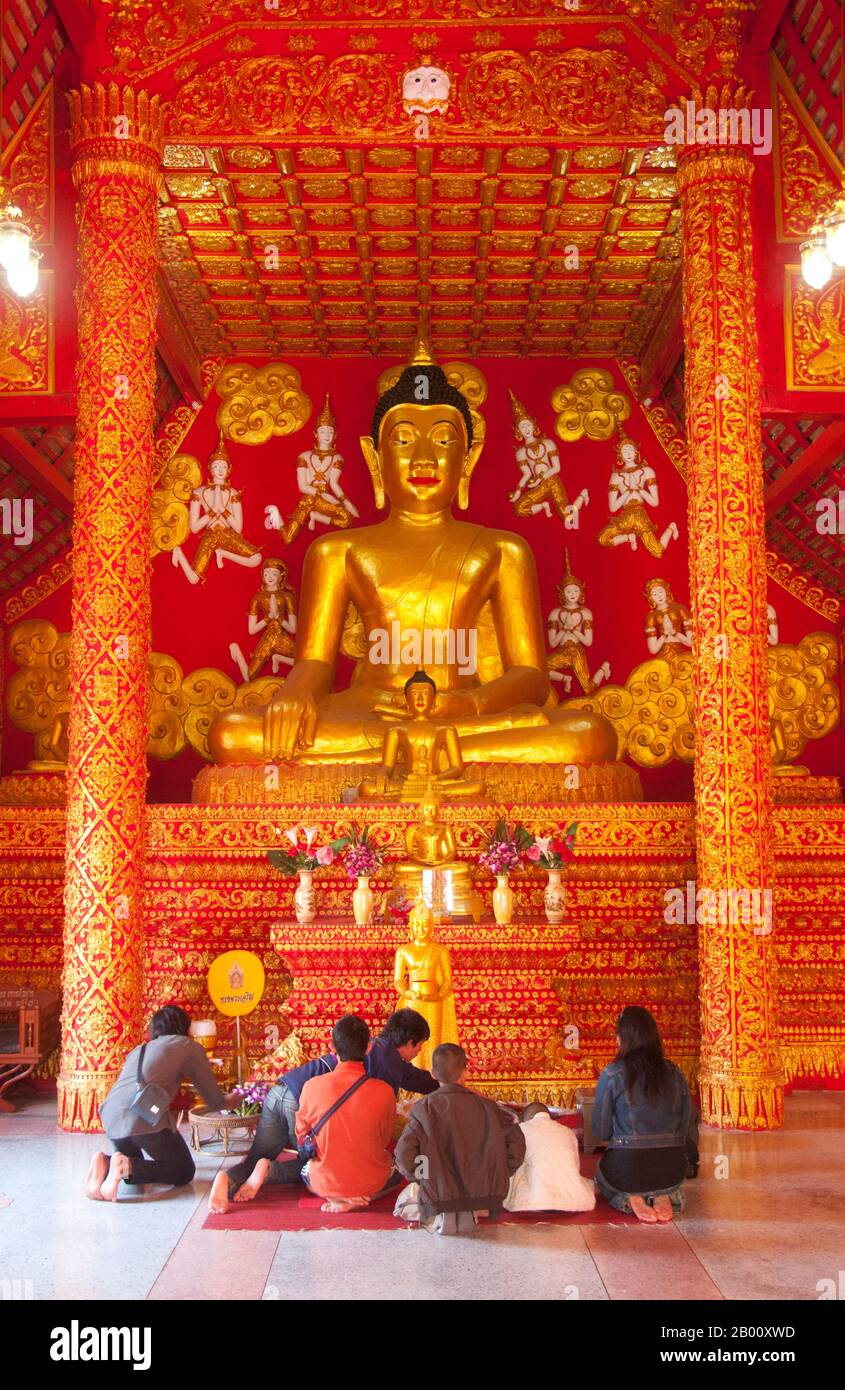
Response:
column 115, row 130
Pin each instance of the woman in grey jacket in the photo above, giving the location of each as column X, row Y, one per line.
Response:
column 644, row 1112
column 152, row 1151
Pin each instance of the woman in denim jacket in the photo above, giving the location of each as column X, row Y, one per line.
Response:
column 644, row 1112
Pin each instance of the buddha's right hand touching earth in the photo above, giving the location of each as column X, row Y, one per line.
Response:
column 290, row 722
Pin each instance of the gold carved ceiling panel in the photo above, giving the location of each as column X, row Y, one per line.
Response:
column 507, row 248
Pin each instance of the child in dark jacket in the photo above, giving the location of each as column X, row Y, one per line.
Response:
column 458, row 1150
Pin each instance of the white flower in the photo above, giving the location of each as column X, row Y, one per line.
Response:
column 310, row 834
column 542, row 843
column 292, row 835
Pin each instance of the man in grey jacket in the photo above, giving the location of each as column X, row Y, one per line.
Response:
column 153, row 1152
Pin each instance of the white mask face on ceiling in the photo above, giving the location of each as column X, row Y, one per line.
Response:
column 425, row 89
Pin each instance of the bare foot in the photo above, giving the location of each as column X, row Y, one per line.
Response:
column 663, row 1207
column 254, row 1182
column 120, row 1167
column 348, row 1204
column 643, row 1212
column 96, row 1176
column 218, row 1197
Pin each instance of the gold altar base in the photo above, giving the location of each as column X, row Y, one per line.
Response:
column 297, row 784
column 34, row 787
column 806, row 791
column 510, row 1017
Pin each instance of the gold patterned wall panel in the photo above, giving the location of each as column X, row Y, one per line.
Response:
column 815, row 333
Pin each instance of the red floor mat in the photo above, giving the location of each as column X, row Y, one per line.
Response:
column 292, row 1208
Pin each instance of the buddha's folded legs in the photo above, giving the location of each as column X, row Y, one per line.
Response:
column 347, row 732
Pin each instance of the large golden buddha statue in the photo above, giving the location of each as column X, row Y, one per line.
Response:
column 428, row 587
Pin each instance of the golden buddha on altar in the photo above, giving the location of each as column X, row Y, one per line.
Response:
column 421, row 571
column 429, row 751
column 422, row 976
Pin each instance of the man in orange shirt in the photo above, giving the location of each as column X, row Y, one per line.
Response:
column 346, row 1118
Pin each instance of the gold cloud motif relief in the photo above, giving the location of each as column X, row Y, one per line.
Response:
column 179, row 712
column 653, row 711
column 257, row 404
column 590, row 404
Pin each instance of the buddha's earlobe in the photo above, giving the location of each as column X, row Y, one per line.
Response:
column 370, row 452
column 466, row 472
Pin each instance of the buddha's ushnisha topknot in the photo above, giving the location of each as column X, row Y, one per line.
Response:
column 407, row 392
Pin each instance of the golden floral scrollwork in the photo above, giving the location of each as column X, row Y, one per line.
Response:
column 741, row 1079
column 591, row 404
column 578, row 92
column 28, row 167
column 652, row 712
column 795, row 583
column 806, row 180
column 37, row 695
column 803, row 692
column 43, row 585
column 260, row 403
column 170, row 517
column 815, row 334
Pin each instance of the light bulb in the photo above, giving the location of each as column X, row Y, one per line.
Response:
column 816, row 266
column 14, row 239
column 23, row 279
column 834, row 227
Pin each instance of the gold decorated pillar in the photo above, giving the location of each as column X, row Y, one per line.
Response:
column 741, row 1079
column 116, row 146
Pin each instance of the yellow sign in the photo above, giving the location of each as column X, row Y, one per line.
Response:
column 236, row 983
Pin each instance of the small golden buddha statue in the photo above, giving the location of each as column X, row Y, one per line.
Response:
column 427, row 572
column 422, row 974
column 429, row 752
column 432, row 868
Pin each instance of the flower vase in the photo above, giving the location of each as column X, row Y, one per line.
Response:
column 503, row 901
column 554, row 898
column 362, row 901
column 304, row 899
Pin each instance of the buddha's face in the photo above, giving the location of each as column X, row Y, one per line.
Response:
column 421, row 930
column 420, row 698
column 325, row 436
column 422, row 450
column 429, row 811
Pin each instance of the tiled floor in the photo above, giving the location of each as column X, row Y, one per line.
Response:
column 772, row 1226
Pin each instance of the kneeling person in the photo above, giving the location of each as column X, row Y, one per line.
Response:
column 550, row 1178
column 348, row 1116
column 458, row 1149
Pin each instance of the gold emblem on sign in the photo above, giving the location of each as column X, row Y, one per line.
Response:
column 590, row 405
column 257, row 404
